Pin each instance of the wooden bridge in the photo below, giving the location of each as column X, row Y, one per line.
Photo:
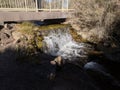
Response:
column 21, row 10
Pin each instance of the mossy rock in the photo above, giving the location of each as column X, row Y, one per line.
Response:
column 30, row 29
column 27, row 28
column 53, row 27
column 39, row 43
column 76, row 37
column 35, row 33
column 34, row 41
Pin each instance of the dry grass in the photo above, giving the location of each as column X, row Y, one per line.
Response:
column 95, row 17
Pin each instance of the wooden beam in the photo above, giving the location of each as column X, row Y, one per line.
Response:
column 22, row 16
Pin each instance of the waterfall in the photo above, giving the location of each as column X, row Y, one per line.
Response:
column 60, row 43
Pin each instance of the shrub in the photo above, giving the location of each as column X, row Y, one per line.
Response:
column 95, row 16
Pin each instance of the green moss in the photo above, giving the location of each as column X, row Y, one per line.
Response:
column 52, row 27
column 30, row 49
column 75, row 36
column 33, row 34
column 39, row 43
column 34, row 40
column 27, row 28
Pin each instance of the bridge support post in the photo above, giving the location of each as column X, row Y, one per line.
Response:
column 62, row 5
column 50, row 5
column 36, row 3
column 67, row 5
column 26, row 5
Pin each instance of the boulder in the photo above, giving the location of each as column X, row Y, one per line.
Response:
column 57, row 61
column 4, row 38
column 17, row 36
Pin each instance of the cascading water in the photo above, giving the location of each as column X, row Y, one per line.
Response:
column 60, row 43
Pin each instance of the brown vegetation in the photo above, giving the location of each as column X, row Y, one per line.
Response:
column 94, row 19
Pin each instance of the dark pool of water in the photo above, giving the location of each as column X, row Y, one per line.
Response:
column 15, row 75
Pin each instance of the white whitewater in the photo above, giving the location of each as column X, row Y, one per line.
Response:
column 60, row 43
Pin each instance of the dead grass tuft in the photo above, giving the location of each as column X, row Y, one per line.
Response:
column 95, row 17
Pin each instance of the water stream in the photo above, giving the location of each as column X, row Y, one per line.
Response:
column 60, row 43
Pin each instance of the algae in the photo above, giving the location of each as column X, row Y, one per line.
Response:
column 35, row 34
column 76, row 37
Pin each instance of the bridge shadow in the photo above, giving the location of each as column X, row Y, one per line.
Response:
column 49, row 22
column 21, row 74
column 54, row 21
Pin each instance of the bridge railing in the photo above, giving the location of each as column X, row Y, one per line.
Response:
column 35, row 5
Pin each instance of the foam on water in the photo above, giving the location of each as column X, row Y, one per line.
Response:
column 60, row 43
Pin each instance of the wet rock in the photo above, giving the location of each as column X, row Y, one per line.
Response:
column 57, row 61
column 101, row 76
column 71, row 77
column 94, row 66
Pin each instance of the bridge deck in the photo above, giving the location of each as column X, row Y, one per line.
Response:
column 21, row 10
column 22, row 16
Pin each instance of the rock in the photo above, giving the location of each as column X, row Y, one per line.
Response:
column 71, row 77
column 76, row 27
column 53, row 62
column 8, row 33
column 5, row 26
column 57, row 60
column 51, row 76
column 101, row 76
column 17, row 36
column 94, row 66
column 9, row 26
column 4, row 38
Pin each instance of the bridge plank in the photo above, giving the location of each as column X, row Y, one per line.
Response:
column 23, row 16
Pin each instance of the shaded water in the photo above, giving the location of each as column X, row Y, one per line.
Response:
column 27, row 76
